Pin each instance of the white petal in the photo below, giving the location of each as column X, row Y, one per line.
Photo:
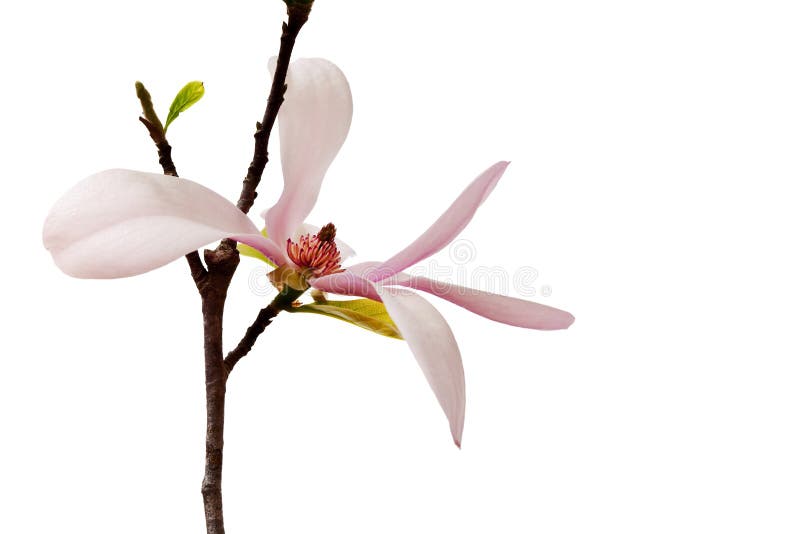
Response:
column 313, row 121
column 119, row 223
column 432, row 342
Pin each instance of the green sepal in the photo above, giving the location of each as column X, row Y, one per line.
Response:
column 247, row 250
column 285, row 277
column 366, row 313
column 186, row 98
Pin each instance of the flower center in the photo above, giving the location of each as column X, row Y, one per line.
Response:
column 317, row 254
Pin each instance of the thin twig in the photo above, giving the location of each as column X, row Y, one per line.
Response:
column 263, row 319
column 196, row 267
column 298, row 15
column 282, row 301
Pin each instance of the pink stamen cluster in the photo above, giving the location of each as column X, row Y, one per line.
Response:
column 317, row 254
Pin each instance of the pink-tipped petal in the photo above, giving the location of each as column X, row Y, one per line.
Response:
column 313, row 121
column 432, row 342
column 446, row 227
column 508, row 310
column 347, row 284
column 275, row 253
column 363, row 269
column 119, row 223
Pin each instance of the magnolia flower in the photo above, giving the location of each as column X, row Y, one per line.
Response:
column 120, row 223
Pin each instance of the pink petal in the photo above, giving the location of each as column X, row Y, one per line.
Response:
column 265, row 245
column 313, row 121
column 426, row 332
column 446, row 227
column 435, row 349
column 364, row 269
column 508, row 310
column 348, row 284
column 500, row 308
column 121, row 223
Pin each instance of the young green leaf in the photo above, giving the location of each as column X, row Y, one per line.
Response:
column 186, row 97
column 366, row 313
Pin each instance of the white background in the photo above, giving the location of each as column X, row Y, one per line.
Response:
column 655, row 158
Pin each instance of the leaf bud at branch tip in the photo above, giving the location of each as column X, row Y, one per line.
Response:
column 298, row 3
column 149, row 115
column 298, row 9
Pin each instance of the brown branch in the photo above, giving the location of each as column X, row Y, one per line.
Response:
column 222, row 264
column 263, row 319
column 298, row 15
column 196, row 267
column 281, row 302
column 165, row 158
